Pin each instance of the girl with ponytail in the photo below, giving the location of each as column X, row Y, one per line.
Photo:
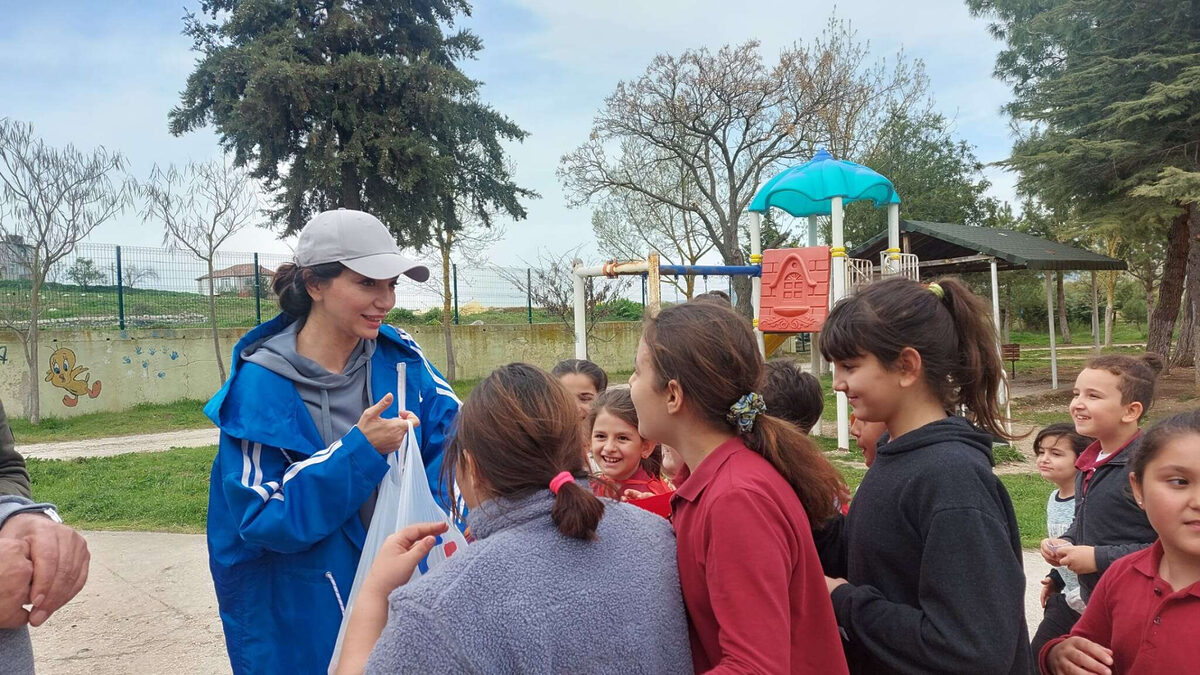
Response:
column 926, row 568
column 545, row 587
column 750, row 490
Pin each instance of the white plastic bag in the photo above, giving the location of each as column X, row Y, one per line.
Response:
column 404, row 499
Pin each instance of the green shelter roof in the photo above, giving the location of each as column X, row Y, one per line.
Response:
column 952, row 248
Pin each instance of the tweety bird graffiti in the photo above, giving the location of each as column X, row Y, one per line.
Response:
column 64, row 374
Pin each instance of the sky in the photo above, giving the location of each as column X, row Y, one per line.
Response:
column 107, row 73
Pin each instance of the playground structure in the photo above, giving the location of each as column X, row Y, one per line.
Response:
column 820, row 187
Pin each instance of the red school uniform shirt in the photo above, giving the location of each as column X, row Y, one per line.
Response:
column 1089, row 460
column 1154, row 633
column 751, row 579
column 641, row 480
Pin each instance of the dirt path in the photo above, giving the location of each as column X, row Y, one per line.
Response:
column 117, row 445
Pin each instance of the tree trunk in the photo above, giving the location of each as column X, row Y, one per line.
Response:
column 1170, row 289
column 1193, row 278
column 1184, row 355
column 447, row 299
column 1065, row 326
column 1110, row 309
column 741, row 286
column 689, row 289
column 33, row 399
column 1006, row 326
column 212, row 322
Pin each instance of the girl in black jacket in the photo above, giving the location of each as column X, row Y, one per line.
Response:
column 926, row 569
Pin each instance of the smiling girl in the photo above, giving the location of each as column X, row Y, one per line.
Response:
column 626, row 460
column 927, row 567
column 1157, row 590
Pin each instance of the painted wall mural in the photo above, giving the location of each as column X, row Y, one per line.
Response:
column 65, row 374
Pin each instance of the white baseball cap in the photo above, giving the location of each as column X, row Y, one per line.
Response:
column 357, row 240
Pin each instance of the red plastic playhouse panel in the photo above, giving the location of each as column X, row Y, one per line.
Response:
column 795, row 290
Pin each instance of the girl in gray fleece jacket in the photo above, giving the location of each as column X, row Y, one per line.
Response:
column 556, row 581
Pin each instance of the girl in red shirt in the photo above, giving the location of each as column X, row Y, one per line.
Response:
column 1156, row 589
column 750, row 487
column 628, row 462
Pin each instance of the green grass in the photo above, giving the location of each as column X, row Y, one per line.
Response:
column 145, row 418
column 161, row 492
column 1081, row 334
column 168, row 491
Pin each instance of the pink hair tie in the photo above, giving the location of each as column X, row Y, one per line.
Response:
column 561, row 480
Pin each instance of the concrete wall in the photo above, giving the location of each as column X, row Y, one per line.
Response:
column 158, row 366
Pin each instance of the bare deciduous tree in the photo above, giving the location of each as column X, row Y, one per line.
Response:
column 551, row 286
column 473, row 242
column 135, row 275
column 729, row 121
column 50, row 199
column 628, row 225
column 201, row 206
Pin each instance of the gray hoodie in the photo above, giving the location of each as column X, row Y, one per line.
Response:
column 526, row 599
column 334, row 400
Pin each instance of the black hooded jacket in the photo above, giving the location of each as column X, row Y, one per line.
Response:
column 932, row 555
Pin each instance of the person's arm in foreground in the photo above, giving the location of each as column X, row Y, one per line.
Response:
column 393, row 567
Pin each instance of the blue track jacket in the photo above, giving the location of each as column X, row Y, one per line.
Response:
column 284, row 534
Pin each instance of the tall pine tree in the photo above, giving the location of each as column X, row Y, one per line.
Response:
column 1108, row 91
column 352, row 103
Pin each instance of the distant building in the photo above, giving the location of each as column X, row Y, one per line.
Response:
column 238, row 279
column 15, row 255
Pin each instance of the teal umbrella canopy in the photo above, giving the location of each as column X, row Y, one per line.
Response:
column 808, row 189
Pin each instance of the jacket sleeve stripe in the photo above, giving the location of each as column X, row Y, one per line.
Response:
column 316, row 458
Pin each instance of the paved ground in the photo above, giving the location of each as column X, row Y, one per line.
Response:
column 148, row 607
column 105, row 447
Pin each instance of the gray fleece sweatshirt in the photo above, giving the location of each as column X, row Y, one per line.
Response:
column 526, row 599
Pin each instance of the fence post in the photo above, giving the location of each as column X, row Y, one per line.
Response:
column 643, row 277
column 454, row 269
column 257, row 292
column 529, row 292
column 120, row 294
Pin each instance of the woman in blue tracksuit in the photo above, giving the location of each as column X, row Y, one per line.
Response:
column 307, row 417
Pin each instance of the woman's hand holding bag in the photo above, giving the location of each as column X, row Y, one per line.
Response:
column 385, row 434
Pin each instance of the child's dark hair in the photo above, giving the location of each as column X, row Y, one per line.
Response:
column 792, row 394
column 1181, row 424
column 582, row 367
column 619, row 404
column 290, row 285
column 947, row 324
column 711, row 352
column 1137, row 376
column 1066, row 430
column 715, row 297
column 521, row 429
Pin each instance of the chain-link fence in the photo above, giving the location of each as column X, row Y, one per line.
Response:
column 100, row 285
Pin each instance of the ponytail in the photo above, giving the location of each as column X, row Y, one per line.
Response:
column 944, row 322
column 710, row 350
column 576, row 511
column 521, row 429
column 978, row 373
column 798, row 459
column 290, row 285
